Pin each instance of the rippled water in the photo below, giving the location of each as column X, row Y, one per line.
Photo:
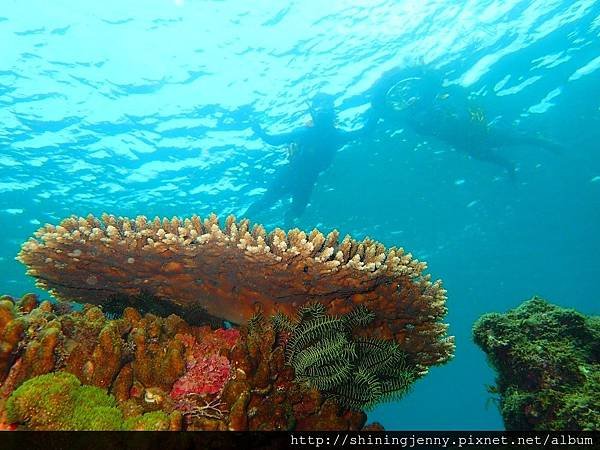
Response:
column 142, row 108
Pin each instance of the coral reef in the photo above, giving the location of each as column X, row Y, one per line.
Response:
column 548, row 364
column 195, row 267
column 148, row 372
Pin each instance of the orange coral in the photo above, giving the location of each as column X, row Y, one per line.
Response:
column 234, row 270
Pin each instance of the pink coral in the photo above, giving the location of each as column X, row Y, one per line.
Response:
column 207, row 376
column 228, row 337
column 208, row 370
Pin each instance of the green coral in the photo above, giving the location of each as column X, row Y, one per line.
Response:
column 151, row 421
column 326, row 355
column 44, row 402
column 58, row 401
column 95, row 410
column 547, row 359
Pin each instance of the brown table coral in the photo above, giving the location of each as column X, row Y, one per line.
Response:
column 232, row 271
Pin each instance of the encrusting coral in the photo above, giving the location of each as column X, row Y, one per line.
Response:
column 58, row 401
column 192, row 266
column 148, row 372
column 548, row 364
column 207, row 369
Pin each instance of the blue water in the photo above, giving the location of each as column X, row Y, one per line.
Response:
column 133, row 107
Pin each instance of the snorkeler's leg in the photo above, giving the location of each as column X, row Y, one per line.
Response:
column 267, row 200
column 275, row 191
column 492, row 156
column 541, row 142
column 508, row 138
column 300, row 198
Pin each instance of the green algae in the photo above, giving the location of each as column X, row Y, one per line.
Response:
column 58, row 401
column 151, row 421
column 548, row 363
column 44, row 402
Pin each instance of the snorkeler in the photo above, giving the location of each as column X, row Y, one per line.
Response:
column 417, row 98
column 311, row 150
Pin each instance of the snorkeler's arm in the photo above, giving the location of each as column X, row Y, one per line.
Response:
column 276, row 139
column 365, row 131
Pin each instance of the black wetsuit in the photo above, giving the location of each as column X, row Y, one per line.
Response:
column 313, row 151
column 448, row 117
column 447, row 114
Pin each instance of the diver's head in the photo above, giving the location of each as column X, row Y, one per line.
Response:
column 322, row 110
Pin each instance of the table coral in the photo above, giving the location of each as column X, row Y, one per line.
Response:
column 231, row 271
column 548, row 364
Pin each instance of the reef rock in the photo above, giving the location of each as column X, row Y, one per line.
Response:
column 147, row 372
column 548, row 364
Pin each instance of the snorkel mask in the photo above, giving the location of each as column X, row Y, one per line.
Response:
column 405, row 93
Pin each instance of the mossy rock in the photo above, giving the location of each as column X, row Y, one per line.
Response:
column 548, row 360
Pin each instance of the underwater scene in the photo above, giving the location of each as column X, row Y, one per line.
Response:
column 343, row 215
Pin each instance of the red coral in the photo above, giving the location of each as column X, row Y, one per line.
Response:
column 207, row 376
column 228, row 337
column 7, row 426
column 214, row 340
column 208, row 370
